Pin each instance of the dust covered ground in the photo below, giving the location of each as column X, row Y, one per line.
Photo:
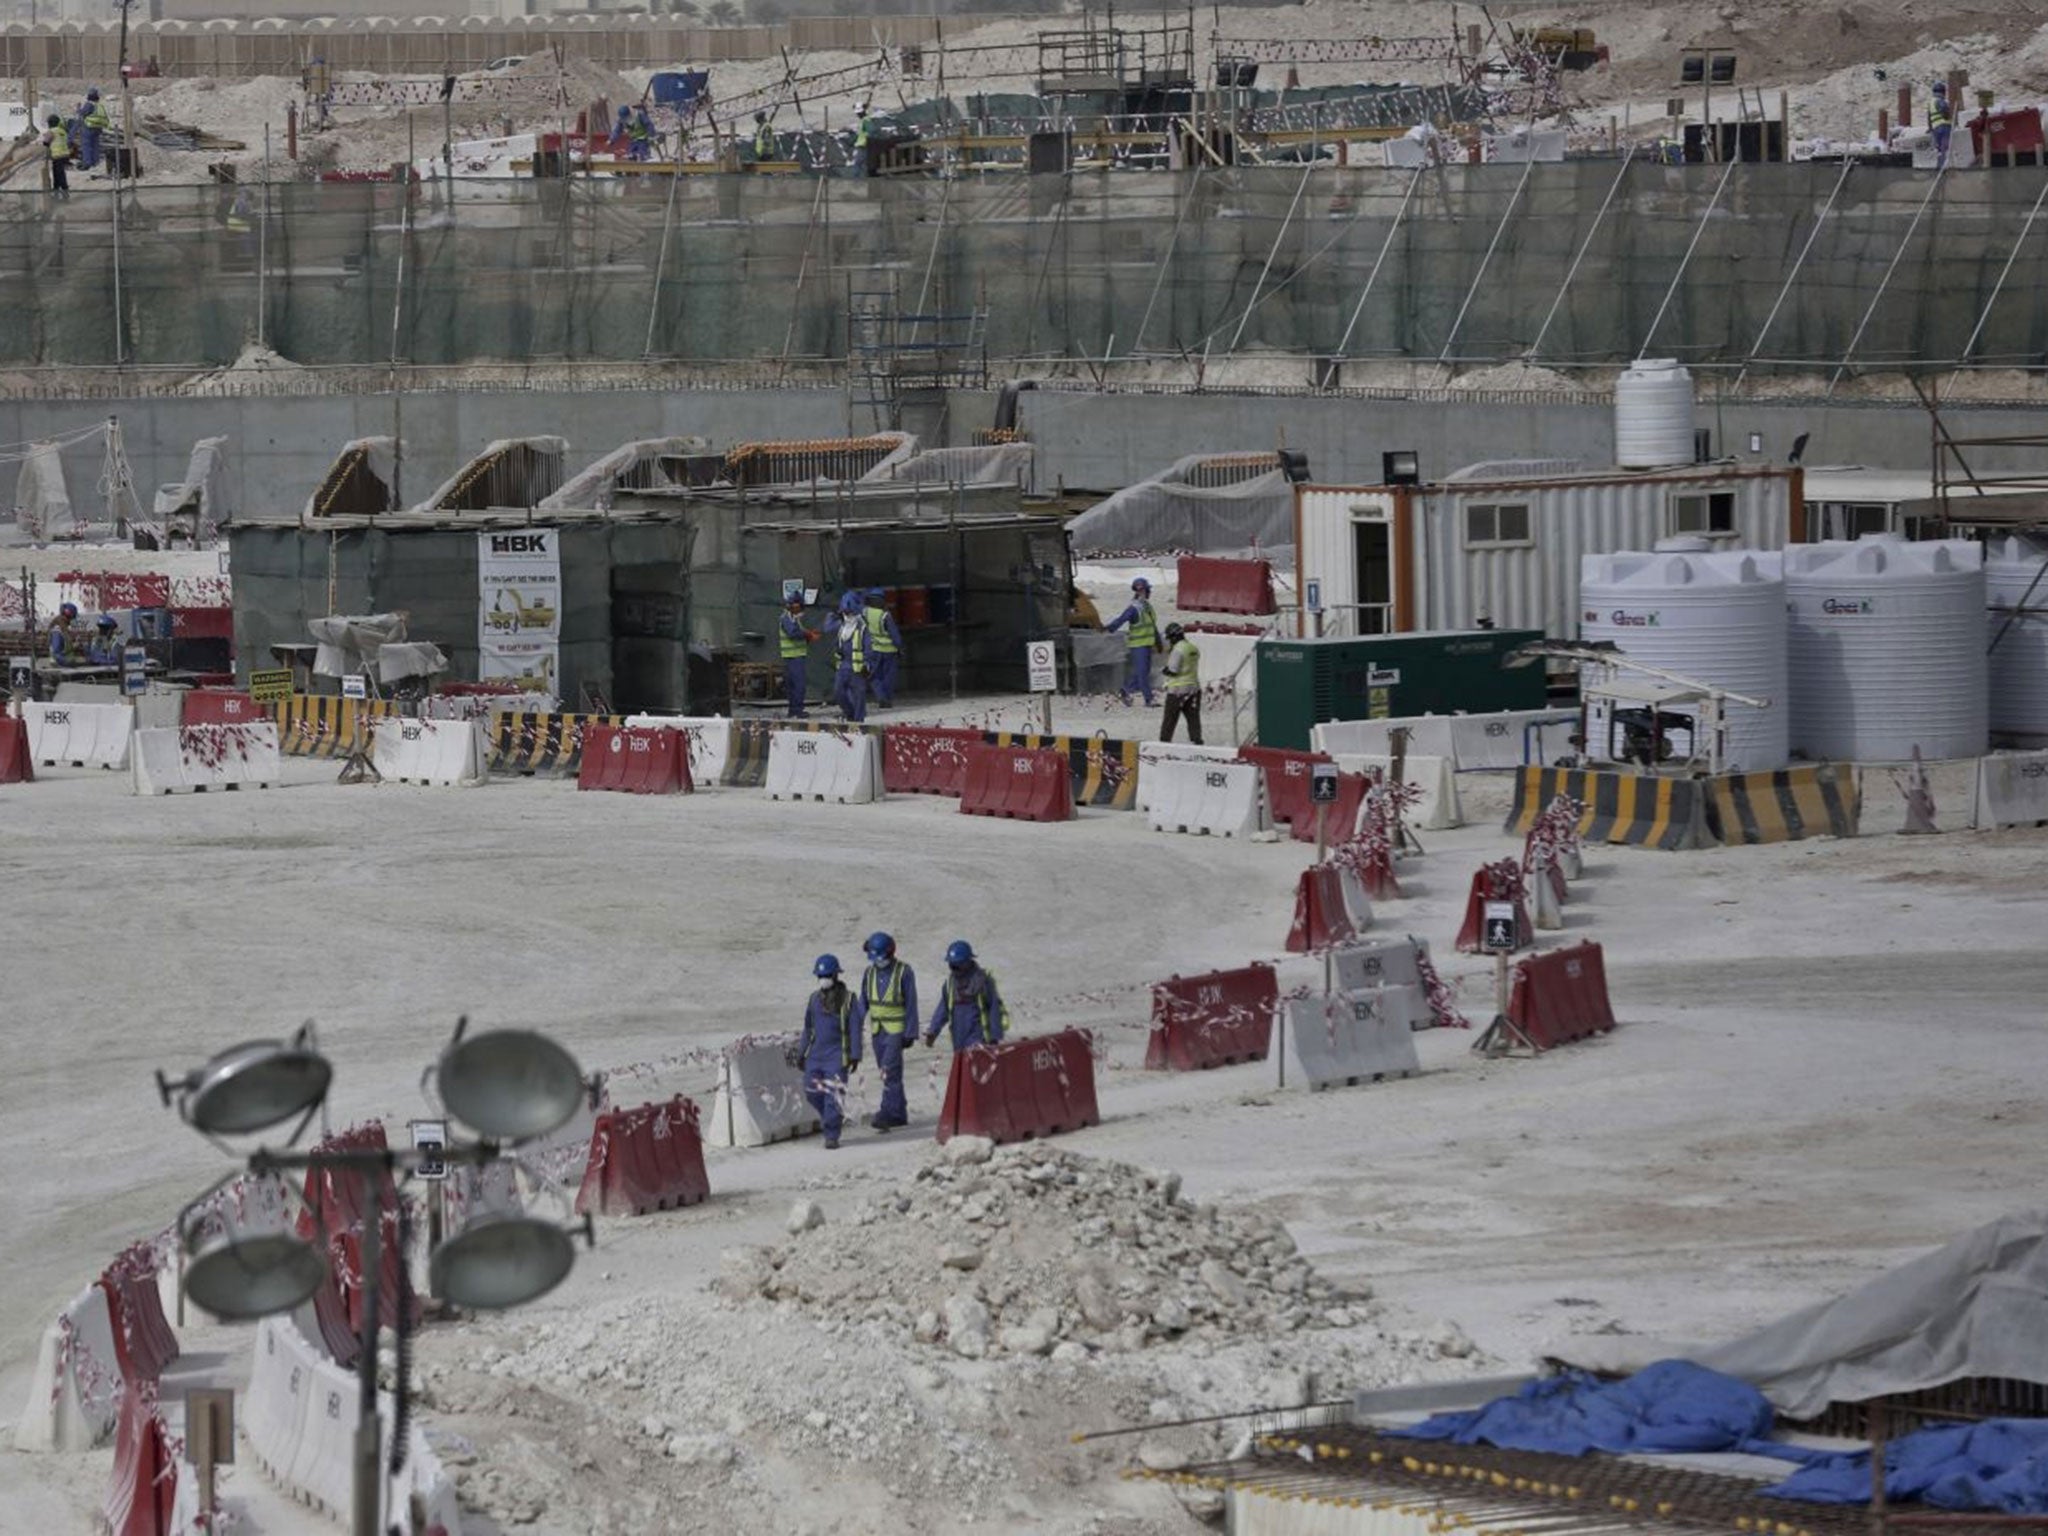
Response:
column 1830, row 1056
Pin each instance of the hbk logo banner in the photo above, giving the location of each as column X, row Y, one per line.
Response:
column 519, row 607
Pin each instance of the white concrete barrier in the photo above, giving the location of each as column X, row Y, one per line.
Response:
column 272, row 1413
column 201, row 757
column 90, row 693
column 75, row 1394
column 760, row 1096
column 710, row 738
column 1510, row 738
column 481, row 706
column 821, row 765
column 1218, row 798
column 323, row 1458
column 2012, row 790
column 1435, row 777
column 79, row 735
column 1428, row 736
column 1347, row 1037
column 446, row 753
column 1357, row 905
column 160, row 708
column 1152, row 753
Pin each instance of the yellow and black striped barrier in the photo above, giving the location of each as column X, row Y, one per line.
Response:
column 528, row 743
column 317, row 725
column 1632, row 808
column 1105, row 771
column 1812, row 800
column 746, row 759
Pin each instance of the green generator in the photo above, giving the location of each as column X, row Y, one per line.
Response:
column 1302, row 683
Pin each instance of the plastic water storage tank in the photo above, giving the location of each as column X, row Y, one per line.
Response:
column 2017, row 574
column 1653, row 414
column 1887, row 649
column 1714, row 615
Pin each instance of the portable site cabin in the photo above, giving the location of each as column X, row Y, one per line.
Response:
column 1849, row 501
column 1499, row 544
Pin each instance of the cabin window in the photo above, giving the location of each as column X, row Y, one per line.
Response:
column 1493, row 525
column 1709, row 513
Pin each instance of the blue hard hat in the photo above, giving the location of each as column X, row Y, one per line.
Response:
column 879, row 946
column 850, row 603
column 93, row 94
column 108, row 621
column 876, row 594
column 67, row 610
column 1141, row 585
column 825, row 966
column 959, row 953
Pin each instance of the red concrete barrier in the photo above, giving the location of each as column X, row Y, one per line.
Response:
column 143, row 1341
column 634, row 760
column 1212, row 1020
column 1021, row 1088
column 1320, row 915
column 926, row 760
column 1494, row 882
column 203, row 623
column 645, row 1159
column 342, row 1343
column 1286, row 773
column 1561, row 996
column 1341, row 814
column 1209, row 585
column 337, row 1197
column 15, row 767
column 1025, row 783
column 222, row 706
column 144, row 1492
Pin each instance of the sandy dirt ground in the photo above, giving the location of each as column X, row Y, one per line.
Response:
column 1829, row 1057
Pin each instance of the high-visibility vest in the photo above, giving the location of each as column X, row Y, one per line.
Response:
column 60, row 144
column 1184, row 668
column 1937, row 112
column 96, row 115
column 980, row 1006
column 878, row 631
column 1145, row 627
column 860, row 135
column 844, row 1013
column 797, row 645
column 885, row 1003
column 764, row 142
column 853, row 634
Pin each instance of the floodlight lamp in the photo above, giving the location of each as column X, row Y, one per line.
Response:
column 1401, row 466
column 509, row 1084
column 242, row 1276
column 251, row 1087
column 503, row 1261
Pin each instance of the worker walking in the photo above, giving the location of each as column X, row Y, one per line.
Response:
column 640, row 135
column 1183, row 685
column 93, row 122
column 57, row 143
column 65, row 649
column 830, row 1049
column 1940, row 123
column 885, row 647
column 886, row 1009
column 860, row 142
column 796, row 641
column 1141, row 626
column 969, row 1004
column 764, row 138
column 850, row 682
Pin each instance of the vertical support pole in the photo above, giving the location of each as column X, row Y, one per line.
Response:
column 1166, row 261
column 1792, row 277
column 668, row 219
column 2004, row 272
column 1285, row 225
column 1486, row 260
column 1685, row 261
column 263, row 251
column 369, row 1471
column 1372, row 277
column 1585, row 245
column 1842, row 367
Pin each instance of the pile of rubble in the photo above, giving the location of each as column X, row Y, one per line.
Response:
column 1032, row 1251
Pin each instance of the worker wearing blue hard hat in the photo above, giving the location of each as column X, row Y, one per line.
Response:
column 969, row 1004
column 885, row 646
column 794, row 638
column 851, row 643
column 106, row 646
column 830, row 1047
column 65, row 649
column 1141, row 626
column 886, row 1007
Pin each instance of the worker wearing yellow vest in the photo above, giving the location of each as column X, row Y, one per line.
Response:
column 860, row 143
column 764, row 138
column 1141, row 625
column 851, row 641
column 1939, row 122
column 795, row 640
column 887, row 1005
column 58, row 143
column 885, row 644
column 1183, row 685
column 92, row 123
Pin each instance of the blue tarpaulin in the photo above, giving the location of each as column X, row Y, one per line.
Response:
column 2000, row 1464
column 1670, row 1406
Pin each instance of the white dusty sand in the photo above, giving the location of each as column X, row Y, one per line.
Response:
column 1829, row 1057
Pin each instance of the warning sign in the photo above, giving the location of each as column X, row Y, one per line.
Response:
column 270, row 685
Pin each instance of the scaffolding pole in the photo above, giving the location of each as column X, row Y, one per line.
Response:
column 1166, row 261
column 668, row 221
column 2004, row 272
column 1842, row 366
column 931, row 258
column 1285, row 224
column 1486, row 260
column 796, row 299
column 1792, row 277
column 1414, row 181
column 1686, row 260
column 1579, row 256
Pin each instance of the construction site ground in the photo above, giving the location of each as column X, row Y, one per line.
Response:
column 1826, row 1061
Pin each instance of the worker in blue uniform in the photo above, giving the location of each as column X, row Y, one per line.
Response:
column 885, row 647
column 850, row 682
column 65, row 649
column 796, row 640
column 1940, row 123
column 105, row 649
column 830, row 1051
column 886, row 1008
column 1141, row 626
column 969, row 1004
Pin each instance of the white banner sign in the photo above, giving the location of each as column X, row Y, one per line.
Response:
column 519, row 607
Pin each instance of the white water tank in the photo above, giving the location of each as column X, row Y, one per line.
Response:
column 1887, row 649
column 1653, row 414
column 1714, row 615
column 2016, row 578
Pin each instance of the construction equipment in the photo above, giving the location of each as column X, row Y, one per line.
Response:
column 1641, row 713
column 521, row 615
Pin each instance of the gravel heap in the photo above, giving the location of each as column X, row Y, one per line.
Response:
column 1028, row 1250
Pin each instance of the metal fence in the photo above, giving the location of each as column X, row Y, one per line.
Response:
column 1748, row 267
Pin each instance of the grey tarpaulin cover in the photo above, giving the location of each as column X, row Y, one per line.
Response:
column 1976, row 1307
column 348, row 640
column 1164, row 513
column 202, row 492
column 637, row 464
column 508, row 472
column 993, row 464
column 42, row 504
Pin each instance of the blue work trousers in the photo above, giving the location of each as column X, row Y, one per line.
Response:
column 853, row 694
column 895, row 1109
column 1139, row 677
column 823, row 1091
column 89, row 148
column 794, row 685
column 884, row 683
